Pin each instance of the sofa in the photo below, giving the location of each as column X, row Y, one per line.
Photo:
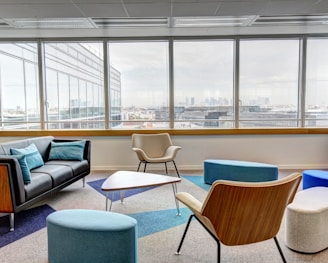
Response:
column 34, row 168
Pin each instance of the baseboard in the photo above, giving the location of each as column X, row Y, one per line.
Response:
column 200, row 167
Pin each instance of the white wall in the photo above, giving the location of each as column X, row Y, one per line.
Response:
column 286, row 151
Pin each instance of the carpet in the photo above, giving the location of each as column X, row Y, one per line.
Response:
column 150, row 222
column 26, row 222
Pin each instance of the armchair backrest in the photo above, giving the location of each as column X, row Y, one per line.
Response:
column 154, row 145
column 243, row 213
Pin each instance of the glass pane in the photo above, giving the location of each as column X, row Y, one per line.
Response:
column 203, row 84
column 19, row 101
column 74, row 69
column 139, row 85
column 316, row 101
column 269, row 83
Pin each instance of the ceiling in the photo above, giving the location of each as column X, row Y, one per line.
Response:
column 99, row 18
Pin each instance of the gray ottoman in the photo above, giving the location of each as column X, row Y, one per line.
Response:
column 85, row 236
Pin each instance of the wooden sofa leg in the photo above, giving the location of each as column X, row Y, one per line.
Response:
column 12, row 221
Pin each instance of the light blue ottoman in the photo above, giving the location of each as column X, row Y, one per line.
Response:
column 238, row 171
column 313, row 178
column 86, row 236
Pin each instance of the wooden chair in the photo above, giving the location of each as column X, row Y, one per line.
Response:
column 238, row 213
column 154, row 148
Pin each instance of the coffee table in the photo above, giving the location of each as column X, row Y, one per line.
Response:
column 124, row 180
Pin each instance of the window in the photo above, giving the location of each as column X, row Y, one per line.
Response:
column 72, row 84
column 164, row 83
column 203, row 84
column 139, row 84
column 19, row 89
column 269, row 83
column 316, row 102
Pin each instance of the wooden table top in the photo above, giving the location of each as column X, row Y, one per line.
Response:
column 123, row 180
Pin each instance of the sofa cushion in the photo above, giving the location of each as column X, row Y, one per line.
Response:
column 67, row 150
column 78, row 167
column 40, row 183
column 58, row 173
column 33, row 157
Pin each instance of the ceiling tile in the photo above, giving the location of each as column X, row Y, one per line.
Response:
column 240, row 8
column 194, row 9
column 103, row 10
column 149, row 10
column 39, row 11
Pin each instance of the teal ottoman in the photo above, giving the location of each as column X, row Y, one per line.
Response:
column 85, row 236
column 238, row 171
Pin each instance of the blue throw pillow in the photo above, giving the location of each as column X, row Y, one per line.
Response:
column 23, row 164
column 67, row 150
column 33, row 157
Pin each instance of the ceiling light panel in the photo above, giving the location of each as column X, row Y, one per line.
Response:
column 131, row 22
column 51, row 23
column 214, row 21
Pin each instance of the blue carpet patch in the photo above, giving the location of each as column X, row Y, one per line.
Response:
column 26, row 222
column 98, row 183
column 199, row 181
column 156, row 221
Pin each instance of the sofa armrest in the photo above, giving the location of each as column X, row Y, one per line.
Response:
column 11, row 185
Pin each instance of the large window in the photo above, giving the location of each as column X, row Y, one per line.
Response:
column 164, row 83
column 203, row 84
column 268, row 91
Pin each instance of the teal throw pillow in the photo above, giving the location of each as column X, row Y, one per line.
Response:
column 23, row 164
column 67, row 150
column 33, row 157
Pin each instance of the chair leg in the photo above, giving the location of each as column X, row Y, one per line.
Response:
column 11, row 221
column 166, row 169
column 280, row 251
column 138, row 166
column 184, row 235
column 176, row 168
column 145, row 167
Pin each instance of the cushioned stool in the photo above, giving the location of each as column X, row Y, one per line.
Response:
column 306, row 221
column 85, row 236
column 238, row 171
column 312, row 178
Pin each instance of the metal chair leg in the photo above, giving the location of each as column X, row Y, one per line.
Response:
column 166, row 168
column 138, row 166
column 184, row 235
column 280, row 251
column 145, row 167
column 176, row 168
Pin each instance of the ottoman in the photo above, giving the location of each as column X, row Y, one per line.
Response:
column 312, row 178
column 84, row 236
column 238, row 171
column 306, row 228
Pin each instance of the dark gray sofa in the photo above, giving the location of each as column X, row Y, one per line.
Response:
column 49, row 178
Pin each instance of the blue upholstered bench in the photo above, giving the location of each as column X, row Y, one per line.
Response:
column 238, row 171
column 84, row 236
column 313, row 178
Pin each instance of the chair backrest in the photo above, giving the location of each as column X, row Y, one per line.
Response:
column 243, row 213
column 154, row 145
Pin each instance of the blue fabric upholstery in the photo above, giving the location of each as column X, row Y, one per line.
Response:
column 78, row 235
column 313, row 178
column 67, row 150
column 33, row 157
column 238, row 171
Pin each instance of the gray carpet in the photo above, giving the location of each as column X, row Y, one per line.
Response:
column 160, row 246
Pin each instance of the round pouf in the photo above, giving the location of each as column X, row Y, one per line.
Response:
column 85, row 236
column 238, row 171
column 313, row 178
